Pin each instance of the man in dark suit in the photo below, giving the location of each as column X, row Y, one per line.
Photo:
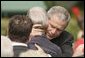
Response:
column 58, row 21
column 39, row 18
column 59, row 18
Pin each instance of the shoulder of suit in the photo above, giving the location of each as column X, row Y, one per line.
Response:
column 66, row 33
column 66, row 36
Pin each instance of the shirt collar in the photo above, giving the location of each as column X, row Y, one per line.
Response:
column 18, row 44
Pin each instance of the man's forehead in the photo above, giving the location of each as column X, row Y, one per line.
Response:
column 58, row 23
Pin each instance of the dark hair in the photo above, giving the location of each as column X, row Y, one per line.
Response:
column 20, row 27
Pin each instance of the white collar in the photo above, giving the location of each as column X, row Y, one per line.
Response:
column 49, row 55
column 18, row 43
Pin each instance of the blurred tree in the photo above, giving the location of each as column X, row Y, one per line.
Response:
column 49, row 4
column 66, row 4
column 80, row 4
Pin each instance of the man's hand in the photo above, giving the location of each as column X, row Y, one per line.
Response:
column 36, row 30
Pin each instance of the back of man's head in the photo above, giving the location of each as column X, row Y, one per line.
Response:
column 38, row 15
column 19, row 28
column 6, row 47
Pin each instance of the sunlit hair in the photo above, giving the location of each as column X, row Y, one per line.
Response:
column 59, row 12
column 38, row 15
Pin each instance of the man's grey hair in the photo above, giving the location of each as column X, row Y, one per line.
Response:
column 6, row 47
column 38, row 15
column 60, row 12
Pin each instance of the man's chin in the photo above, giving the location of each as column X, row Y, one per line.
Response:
column 53, row 37
column 50, row 38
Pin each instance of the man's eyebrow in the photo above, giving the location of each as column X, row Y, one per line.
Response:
column 56, row 27
column 52, row 25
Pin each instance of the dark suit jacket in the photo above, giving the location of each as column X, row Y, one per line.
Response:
column 46, row 45
column 64, row 41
